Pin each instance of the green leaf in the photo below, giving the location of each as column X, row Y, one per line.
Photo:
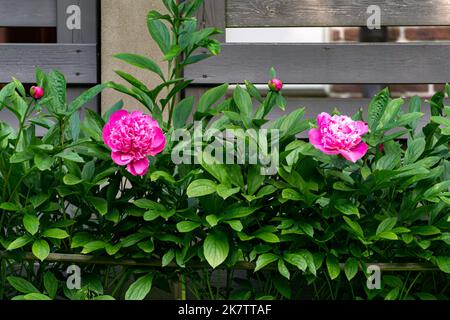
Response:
column 415, row 149
column 236, row 225
column 20, row 242
column 225, row 192
column 296, row 260
column 146, row 246
column 393, row 294
column 239, row 212
column 388, row 235
column 167, row 258
column 140, row 62
column 140, row 288
column 9, row 206
column 57, row 90
column 355, row 227
column 182, row 111
column 187, row 226
column 20, row 157
column 31, row 223
column 283, row 270
column 210, row 97
column 93, row 246
column 268, row 237
column 425, row 230
column 346, row 207
column 391, row 111
column 386, row 225
column 39, row 199
column 216, row 248
column 159, row 32
column 43, row 161
column 55, row 233
column 243, row 101
column 443, row 263
column 351, row 268
column 86, row 96
column 41, row 249
column 377, row 107
column 72, row 156
column 22, row 285
column 333, row 266
column 104, row 297
column 156, row 175
column 35, row 296
column 100, row 204
column 50, row 284
column 201, row 187
column 72, row 180
column 264, row 260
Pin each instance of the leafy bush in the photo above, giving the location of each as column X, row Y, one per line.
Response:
column 307, row 230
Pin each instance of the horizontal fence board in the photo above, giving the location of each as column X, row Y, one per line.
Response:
column 28, row 13
column 78, row 62
column 329, row 13
column 368, row 63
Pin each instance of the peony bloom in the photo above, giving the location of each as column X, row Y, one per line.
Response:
column 37, row 92
column 132, row 138
column 275, row 85
column 339, row 135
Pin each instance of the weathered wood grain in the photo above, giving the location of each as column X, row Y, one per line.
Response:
column 78, row 62
column 323, row 13
column 27, row 13
column 368, row 63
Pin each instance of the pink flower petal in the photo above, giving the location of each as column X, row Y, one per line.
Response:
column 356, row 153
column 106, row 134
column 315, row 140
column 121, row 159
column 138, row 167
column 321, row 118
column 159, row 142
column 116, row 116
column 362, row 127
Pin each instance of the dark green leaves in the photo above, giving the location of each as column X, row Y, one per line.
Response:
column 41, row 249
column 210, row 97
column 159, row 32
column 182, row 112
column 216, row 248
column 140, row 288
column 140, row 62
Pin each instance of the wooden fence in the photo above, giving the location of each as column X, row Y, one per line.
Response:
column 75, row 52
column 326, row 63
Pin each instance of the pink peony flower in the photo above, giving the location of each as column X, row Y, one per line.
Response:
column 132, row 138
column 37, row 92
column 275, row 85
column 339, row 135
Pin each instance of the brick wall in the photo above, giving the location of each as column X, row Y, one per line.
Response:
column 394, row 34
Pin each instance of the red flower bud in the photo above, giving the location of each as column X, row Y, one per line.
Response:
column 37, row 92
column 275, row 85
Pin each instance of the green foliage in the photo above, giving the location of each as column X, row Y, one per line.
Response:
column 307, row 230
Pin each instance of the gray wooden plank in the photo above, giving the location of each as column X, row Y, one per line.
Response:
column 287, row 13
column 27, row 13
column 70, row 32
column 369, row 63
column 212, row 14
column 77, row 61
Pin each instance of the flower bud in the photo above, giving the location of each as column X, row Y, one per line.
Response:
column 37, row 92
column 275, row 85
